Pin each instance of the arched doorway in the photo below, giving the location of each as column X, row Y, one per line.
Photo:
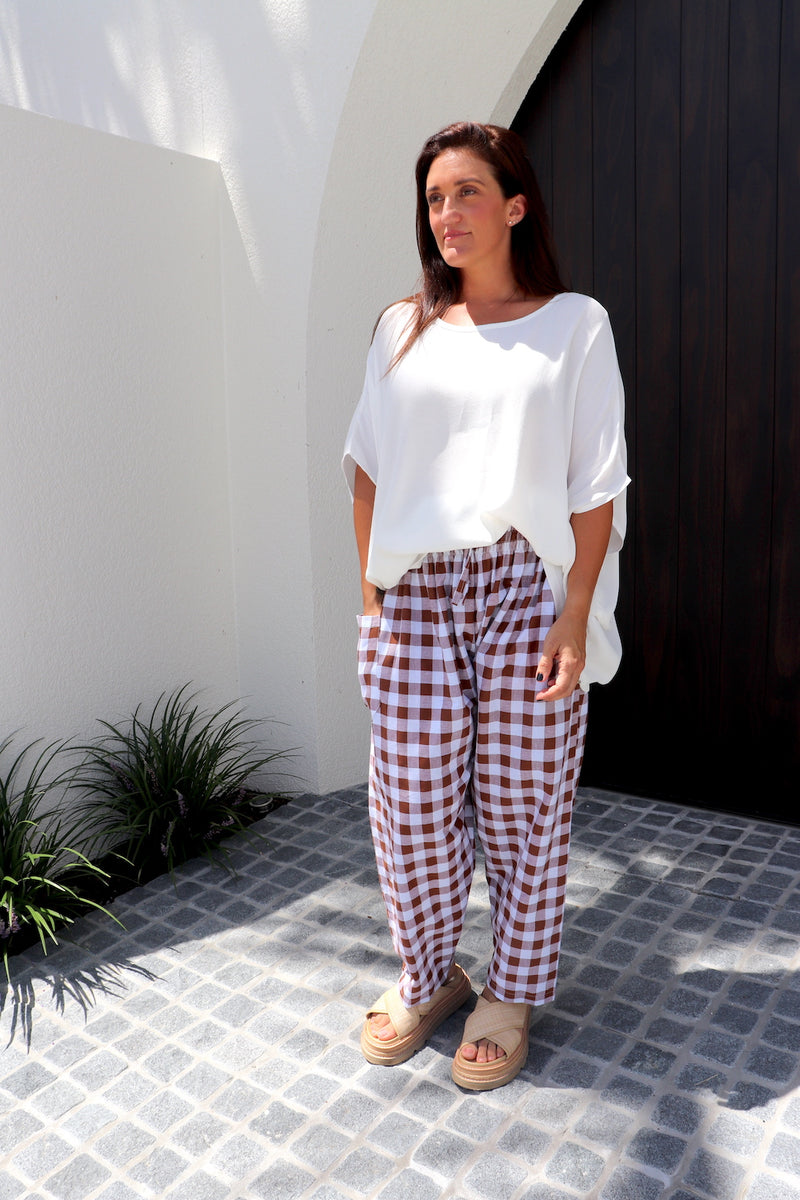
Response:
column 665, row 136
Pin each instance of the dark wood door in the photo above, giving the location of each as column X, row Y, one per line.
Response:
column 665, row 136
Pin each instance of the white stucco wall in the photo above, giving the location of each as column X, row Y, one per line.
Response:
column 116, row 577
column 314, row 111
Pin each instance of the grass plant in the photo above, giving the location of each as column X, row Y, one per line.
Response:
column 46, row 878
column 166, row 786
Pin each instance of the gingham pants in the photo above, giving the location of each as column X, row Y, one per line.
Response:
column 448, row 672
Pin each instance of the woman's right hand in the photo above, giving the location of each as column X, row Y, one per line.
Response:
column 373, row 604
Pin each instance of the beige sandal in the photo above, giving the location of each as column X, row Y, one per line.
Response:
column 412, row 1026
column 504, row 1024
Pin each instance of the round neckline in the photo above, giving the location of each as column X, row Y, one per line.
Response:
column 502, row 324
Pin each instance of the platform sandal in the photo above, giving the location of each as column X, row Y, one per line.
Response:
column 507, row 1026
column 412, row 1026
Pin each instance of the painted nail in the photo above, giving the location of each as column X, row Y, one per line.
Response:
column 539, row 677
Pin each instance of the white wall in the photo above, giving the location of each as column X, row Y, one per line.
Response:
column 315, row 111
column 256, row 86
column 116, row 578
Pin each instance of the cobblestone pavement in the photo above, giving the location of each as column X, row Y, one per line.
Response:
column 210, row 1052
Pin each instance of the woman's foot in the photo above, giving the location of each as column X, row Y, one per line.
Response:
column 483, row 1051
column 392, row 1032
column 495, row 1044
column 380, row 1024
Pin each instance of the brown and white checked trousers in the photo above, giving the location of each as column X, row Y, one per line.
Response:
column 448, row 671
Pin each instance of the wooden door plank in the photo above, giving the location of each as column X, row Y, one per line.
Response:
column 534, row 122
column 752, row 228
column 657, row 444
column 614, row 709
column 782, row 660
column 572, row 158
column 704, row 164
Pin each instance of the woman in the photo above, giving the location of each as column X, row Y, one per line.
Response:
column 487, row 466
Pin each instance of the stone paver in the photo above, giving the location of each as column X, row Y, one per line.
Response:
column 211, row 1049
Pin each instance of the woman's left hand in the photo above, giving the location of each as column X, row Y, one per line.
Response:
column 563, row 657
column 564, row 650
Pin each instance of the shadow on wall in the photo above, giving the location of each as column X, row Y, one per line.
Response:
column 145, row 78
column 243, row 91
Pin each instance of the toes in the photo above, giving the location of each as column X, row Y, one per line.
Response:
column 487, row 1052
column 381, row 1027
column 483, row 1052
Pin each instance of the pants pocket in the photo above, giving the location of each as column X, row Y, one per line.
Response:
column 369, row 629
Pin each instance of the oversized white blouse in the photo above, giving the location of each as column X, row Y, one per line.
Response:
column 480, row 428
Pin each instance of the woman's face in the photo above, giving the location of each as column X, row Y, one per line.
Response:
column 468, row 212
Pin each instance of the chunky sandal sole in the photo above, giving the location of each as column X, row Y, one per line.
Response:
column 444, row 1002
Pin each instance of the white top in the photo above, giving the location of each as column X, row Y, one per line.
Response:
column 480, row 428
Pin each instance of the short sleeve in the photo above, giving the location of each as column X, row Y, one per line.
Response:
column 363, row 437
column 597, row 464
column 361, row 444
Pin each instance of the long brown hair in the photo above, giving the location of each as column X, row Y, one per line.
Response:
column 533, row 258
